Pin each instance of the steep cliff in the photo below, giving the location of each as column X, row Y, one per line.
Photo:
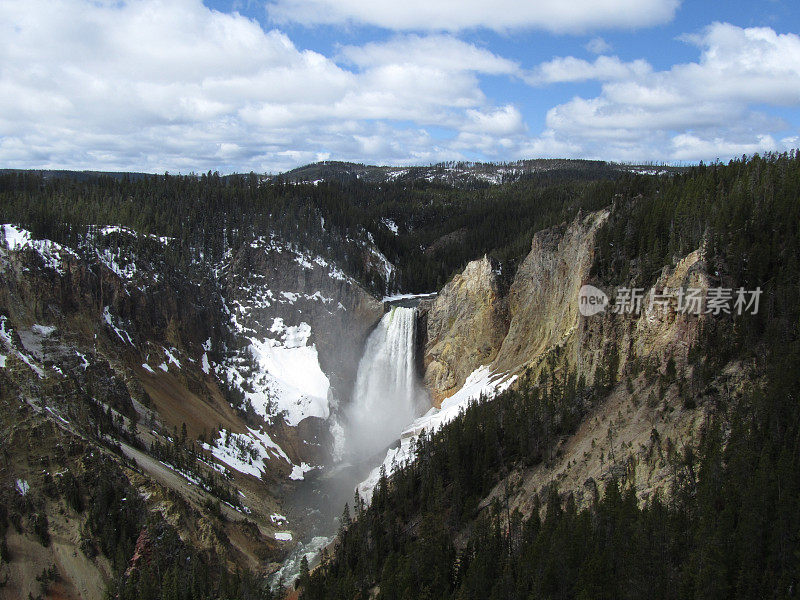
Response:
column 650, row 411
column 268, row 280
column 543, row 299
column 471, row 324
column 465, row 326
column 635, row 361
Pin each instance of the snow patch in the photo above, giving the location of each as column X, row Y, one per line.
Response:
column 16, row 238
column 171, row 357
column 44, row 330
column 121, row 333
column 5, row 334
column 481, row 382
column 128, row 231
column 284, row 375
column 53, row 254
column 390, row 225
column 124, row 270
column 57, row 416
column 23, row 487
column 299, row 472
column 283, row 536
column 278, row 518
column 246, row 452
column 383, row 263
column 82, row 356
column 30, row 362
column 7, row 340
column 392, row 175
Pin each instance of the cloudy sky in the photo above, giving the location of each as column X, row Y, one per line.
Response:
column 240, row 85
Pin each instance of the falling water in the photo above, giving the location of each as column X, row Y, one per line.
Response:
column 387, row 394
column 387, row 397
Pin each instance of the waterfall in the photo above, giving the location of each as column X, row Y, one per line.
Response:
column 387, row 395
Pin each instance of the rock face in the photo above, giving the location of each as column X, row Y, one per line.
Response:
column 637, row 362
column 465, row 327
column 652, row 411
column 543, row 299
column 186, row 366
column 471, row 323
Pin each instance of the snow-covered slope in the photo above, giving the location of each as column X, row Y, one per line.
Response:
column 287, row 378
column 51, row 253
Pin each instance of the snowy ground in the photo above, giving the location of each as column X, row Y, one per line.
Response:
column 290, row 374
column 398, row 297
column 246, row 452
column 52, row 254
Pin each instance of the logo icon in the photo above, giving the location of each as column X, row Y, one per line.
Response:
column 591, row 300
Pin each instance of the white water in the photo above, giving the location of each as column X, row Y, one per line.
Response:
column 387, row 395
column 290, row 568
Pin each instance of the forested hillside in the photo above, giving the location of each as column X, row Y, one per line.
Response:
column 438, row 228
column 728, row 526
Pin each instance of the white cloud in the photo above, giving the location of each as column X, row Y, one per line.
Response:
column 692, row 111
column 161, row 85
column 571, row 69
column 686, row 146
column 436, row 51
column 598, row 46
column 157, row 85
column 501, row 15
column 502, row 121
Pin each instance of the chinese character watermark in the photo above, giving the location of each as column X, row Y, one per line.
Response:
column 689, row 301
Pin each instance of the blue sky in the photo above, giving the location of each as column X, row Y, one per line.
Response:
column 240, row 85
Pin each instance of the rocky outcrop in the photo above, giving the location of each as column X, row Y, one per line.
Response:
column 465, row 327
column 638, row 362
column 543, row 299
column 652, row 414
column 471, row 323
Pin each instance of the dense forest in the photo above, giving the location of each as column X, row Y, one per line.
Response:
column 440, row 228
column 730, row 526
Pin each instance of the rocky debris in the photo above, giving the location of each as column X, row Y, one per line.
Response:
column 142, row 553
